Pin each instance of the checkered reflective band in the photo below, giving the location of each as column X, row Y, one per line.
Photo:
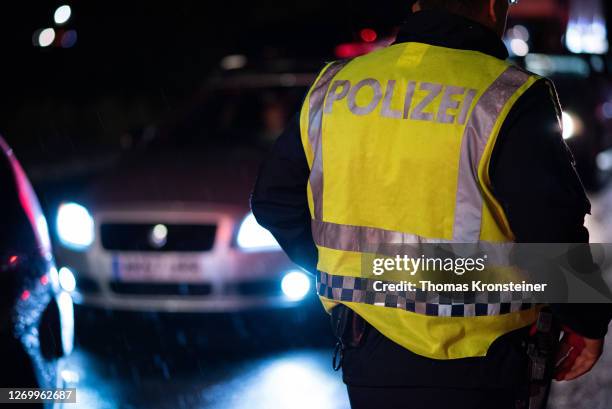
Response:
column 439, row 304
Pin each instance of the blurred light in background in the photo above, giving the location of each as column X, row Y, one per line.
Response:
column 43, row 37
column 516, row 39
column 69, row 39
column 368, row 35
column 75, row 226
column 606, row 110
column 233, row 62
column 587, row 38
column 520, row 32
column 43, row 231
column 586, row 30
column 604, row 160
column 44, row 280
column 351, row 50
column 25, row 295
column 69, row 376
column 547, row 65
column 287, row 80
column 597, row 63
column 519, row 47
column 66, row 309
column 62, row 14
column 66, row 279
column 569, row 125
column 54, row 277
column 251, row 236
column 295, row 285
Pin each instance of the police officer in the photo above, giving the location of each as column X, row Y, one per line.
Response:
column 436, row 138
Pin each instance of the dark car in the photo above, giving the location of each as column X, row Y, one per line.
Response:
column 36, row 316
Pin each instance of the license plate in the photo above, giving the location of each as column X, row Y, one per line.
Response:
column 158, row 268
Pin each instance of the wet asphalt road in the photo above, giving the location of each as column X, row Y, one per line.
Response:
column 297, row 379
column 143, row 361
column 134, row 361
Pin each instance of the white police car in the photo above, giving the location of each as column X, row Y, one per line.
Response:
column 169, row 227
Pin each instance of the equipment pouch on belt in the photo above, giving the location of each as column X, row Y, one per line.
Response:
column 541, row 350
column 348, row 329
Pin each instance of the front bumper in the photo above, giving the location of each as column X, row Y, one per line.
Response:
column 227, row 278
column 213, row 304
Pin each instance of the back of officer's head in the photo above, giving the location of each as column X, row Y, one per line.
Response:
column 491, row 13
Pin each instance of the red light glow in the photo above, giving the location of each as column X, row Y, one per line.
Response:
column 44, row 280
column 25, row 295
column 13, row 259
column 350, row 50
column 368, row 35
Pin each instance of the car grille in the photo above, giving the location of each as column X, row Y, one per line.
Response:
column 138, row 237
column 264, row 287
column 269, row 288
column 160, row 288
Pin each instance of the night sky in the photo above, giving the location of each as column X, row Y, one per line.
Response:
column 135, row 61
column 148, row 56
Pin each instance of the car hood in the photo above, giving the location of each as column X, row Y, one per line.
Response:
column 225, row 177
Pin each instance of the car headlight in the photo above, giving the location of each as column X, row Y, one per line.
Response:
column 66, row 309
column 75, row 226
column 66, row 279
column 295, row 285
column 251, row 236
column 569, row 125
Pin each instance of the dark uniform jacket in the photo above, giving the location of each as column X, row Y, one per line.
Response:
column 532, row 175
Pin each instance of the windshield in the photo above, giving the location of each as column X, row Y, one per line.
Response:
column 227, row 117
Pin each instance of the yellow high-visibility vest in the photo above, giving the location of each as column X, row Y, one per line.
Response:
column 399, row 143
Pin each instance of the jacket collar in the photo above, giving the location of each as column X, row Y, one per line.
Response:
column 451, row 31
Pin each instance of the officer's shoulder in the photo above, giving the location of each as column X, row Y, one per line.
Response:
column 541, row 87
column 528, row 72
column 538, row 79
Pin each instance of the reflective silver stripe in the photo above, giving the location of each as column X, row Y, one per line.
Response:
column 468, row 208
column 361, row 238
column 364, row 239
column 469, row 200
column 315, row 125
column 439, row 304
